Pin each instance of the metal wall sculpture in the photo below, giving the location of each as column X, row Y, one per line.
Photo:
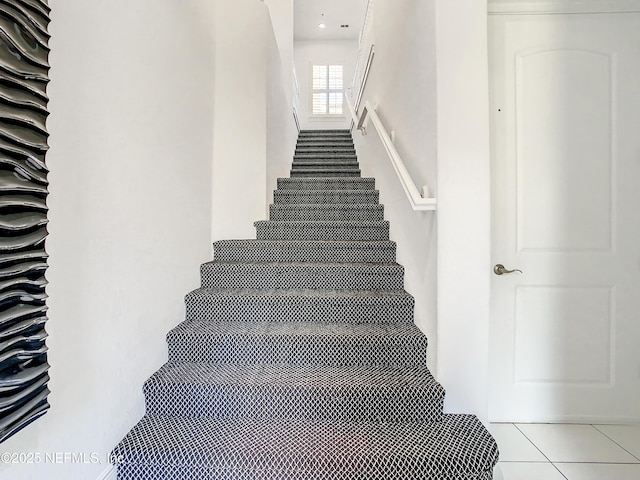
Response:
column 23, row 212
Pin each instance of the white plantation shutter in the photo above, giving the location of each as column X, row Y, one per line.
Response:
column 320, row 75
column 335, row 77
column 327, row 85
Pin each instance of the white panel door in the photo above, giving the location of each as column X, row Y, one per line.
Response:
column 565, row 333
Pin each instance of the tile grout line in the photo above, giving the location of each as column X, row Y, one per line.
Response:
column 532, row 443
column 609, row 438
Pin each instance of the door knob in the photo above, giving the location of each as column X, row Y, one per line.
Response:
column 499, row 269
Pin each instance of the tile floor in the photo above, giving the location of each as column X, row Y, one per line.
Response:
column 567, row 452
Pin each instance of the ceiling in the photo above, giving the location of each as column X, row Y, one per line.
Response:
column 307, row 14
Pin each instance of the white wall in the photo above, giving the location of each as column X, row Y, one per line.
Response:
column 281, row 12
column 309, row 52
column 253, row 131
column 282, row 132
column 402, row 84
column 240, row 124
column 130, row 164
column 464, row 267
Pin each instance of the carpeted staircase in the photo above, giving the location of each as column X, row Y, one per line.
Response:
column 298, row 358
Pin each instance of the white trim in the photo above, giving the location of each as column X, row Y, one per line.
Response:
column 111, row 473
column 541, row 7
column 574, row 419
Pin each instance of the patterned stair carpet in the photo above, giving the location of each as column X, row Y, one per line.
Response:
column 298, row 358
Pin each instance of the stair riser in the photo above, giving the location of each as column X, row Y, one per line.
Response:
column 334, row 252
column 325, row 151
column 346, row 135
column 401, row 352
column 337, row 197
column 308, row 309
column 328, row 136
column 328, row 160
column 283, row 277
column 286, row 231
column 325, row 133
column 322, row 184
column 196, row 472
column 306, row 212
column 317, row 403
column 314, row 148
column 332, row 164
column 330, row 131
column 320, row 143
column 326, row 154
column 325, row 174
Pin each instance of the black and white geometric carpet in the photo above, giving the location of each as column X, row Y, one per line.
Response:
column 298, row 358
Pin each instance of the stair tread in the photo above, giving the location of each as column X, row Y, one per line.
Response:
column 327, row 167
column 312, row 275
column 300, row 305
column 327, row 191
column 330, row 206
column 364, row 244
column 284, row 376
column 337, row 165
column 298, row 293
column 337, row 223
column 318, row 180
column 297, row 343
column 305, row 265
column 305, row 250
column 324, row 173
column 323, row 229
column 199, row 330
column 296, row 449
column 323, row 182
column 326, row 197
column 328, row 156
column 346, row 150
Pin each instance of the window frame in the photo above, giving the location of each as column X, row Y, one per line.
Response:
column 328, row 90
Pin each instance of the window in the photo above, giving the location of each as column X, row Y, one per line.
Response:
column 327, row 86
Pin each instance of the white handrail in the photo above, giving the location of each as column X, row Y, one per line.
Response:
column 413, row 195
column 354, row 115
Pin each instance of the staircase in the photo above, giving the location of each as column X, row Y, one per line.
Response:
column 298, row 358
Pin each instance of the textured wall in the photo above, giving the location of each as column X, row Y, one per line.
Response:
column 23, row 213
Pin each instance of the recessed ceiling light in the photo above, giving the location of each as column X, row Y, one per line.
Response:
column 322, row 25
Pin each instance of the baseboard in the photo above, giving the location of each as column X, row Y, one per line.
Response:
column 110, row 473
column 577, row 419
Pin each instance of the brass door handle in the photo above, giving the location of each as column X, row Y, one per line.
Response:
column 499, row 269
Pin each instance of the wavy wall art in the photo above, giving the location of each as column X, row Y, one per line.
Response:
column 24, row 76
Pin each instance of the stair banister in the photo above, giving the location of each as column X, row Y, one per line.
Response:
column 418, row 203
